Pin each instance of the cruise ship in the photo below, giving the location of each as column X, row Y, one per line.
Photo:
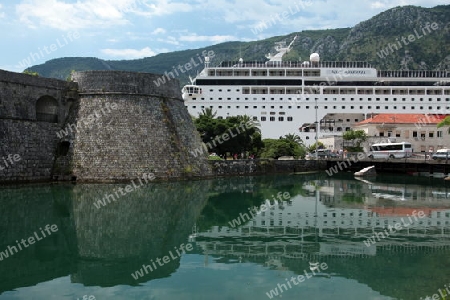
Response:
column 304, row 97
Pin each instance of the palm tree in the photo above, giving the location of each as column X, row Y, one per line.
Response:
column 294, row 138
column 208, row 113
column 445, row 122
column 246, row 119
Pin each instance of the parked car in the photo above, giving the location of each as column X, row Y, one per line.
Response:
column 441, row 154
column 323, row 153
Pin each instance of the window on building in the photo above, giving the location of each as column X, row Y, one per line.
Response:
column 439, row 134
column 414, row 134
column 431, row 134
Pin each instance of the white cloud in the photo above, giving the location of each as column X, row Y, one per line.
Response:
column 2, row 14
column 159, row 30
column 163, row 7
column 169, row 40
column 129, row 53
column 92, row 13
column 66, row 16
column 207, row 38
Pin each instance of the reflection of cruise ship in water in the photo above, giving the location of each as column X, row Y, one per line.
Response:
column 335, row 219
column 288, row 96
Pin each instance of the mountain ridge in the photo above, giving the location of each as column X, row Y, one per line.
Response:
column 362, row 42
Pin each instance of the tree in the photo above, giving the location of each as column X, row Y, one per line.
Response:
column 445, row 122
column 208, row 113
column 247, row 119
column 31, row 73
column 230, row 135
column 275, row 148
column 356, row 137
column 294, row 138
column 318, row 145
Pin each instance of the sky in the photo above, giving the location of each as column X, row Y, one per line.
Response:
column 35, row 31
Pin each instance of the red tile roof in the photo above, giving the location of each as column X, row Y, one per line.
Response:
column 403, row 119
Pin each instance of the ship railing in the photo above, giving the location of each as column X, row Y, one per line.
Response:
column 294, row 64
column 415, row 73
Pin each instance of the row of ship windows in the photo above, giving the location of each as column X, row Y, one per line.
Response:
column 271, row 119
column 360, row 222
column 333, row 107
column 334, row 99
column 336, row 91
column 343, row 215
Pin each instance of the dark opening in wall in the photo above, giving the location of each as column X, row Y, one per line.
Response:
column 47, row 109
column 63, row 148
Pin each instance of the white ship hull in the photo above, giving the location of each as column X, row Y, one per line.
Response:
column 291, row 97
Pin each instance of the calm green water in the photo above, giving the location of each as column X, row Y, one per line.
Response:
column 96, row 252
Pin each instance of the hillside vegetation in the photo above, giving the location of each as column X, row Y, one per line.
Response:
column 364, row 42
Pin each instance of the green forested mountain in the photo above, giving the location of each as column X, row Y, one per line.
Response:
column 407, row 37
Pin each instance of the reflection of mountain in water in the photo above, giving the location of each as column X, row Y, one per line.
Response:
column 96, row 246
column 330, row 221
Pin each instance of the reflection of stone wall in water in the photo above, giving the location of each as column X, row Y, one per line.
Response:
column 24, row 209
column 138, row 227
column 95, row 246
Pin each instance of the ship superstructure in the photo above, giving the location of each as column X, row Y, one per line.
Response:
column 295, row 96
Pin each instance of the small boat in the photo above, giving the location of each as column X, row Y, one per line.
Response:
column 369, row 171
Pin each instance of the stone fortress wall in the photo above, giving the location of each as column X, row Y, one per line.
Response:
column 102, row 126
column 32, row 109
